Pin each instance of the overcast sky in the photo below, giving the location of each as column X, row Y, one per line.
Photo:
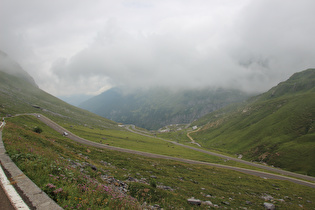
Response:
column 85, row 47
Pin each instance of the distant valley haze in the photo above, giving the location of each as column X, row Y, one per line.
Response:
column 79, row 49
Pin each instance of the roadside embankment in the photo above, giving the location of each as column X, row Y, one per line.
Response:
column 25, row 194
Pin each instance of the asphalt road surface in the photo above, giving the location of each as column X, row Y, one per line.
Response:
column 73, row 137
column 268, row 168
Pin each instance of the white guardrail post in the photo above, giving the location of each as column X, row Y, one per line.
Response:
column 2, row 124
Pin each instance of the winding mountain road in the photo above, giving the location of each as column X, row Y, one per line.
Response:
column 191, row 139
column 277, row 170
column 78, row 139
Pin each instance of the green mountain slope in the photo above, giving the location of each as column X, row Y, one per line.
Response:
column 276, row 127
column 157, row 107
column 11, row 67
column 19, row 94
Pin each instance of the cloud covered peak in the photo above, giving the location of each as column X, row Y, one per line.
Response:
column 249, row 45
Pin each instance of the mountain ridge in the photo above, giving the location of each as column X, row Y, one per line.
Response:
column 20, row 94
column 156, row 107
column 11, row 67
column 274, row 127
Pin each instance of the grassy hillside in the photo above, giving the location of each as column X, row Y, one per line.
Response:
column 157, row 107
column 276, row 127
column 18, row 95
column 81, row 177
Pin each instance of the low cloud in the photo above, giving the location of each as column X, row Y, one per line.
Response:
column 250, row 45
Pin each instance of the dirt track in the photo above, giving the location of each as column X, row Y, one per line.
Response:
column 73, row 137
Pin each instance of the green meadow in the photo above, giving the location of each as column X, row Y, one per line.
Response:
column 82, row 177
column 276, row 127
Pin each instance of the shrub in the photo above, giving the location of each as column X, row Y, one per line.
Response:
column 153, row 183
column 38, row 130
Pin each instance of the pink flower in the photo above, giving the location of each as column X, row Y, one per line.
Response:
column 58, row 191
column 50, row 185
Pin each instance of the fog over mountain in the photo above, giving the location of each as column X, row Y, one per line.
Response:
column 80, row 47
column 9, row 66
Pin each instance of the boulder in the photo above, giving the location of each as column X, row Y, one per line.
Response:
column 248, row 202
column 225, row 203
column 208, row 203
column 269, row 206
column 267, row 197
column 194, row 201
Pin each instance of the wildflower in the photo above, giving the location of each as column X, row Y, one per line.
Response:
column 49, row 185
column 105, row 188
column 58, row 190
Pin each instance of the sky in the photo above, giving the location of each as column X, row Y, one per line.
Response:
column 73, row 47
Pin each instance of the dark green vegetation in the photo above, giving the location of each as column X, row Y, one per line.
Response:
column 157, row 107
column 82, row 177
column 37, row 129
column 276, row 127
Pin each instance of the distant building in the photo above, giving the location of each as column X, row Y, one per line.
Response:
column 194, row 127
column 165, row 130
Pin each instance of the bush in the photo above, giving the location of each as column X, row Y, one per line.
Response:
column 153, row 183
column 38, row 130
